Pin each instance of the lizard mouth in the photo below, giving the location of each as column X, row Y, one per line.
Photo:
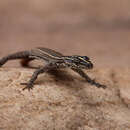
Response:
column 90, row 66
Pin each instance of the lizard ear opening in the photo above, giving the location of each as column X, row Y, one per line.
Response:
column 69, row 61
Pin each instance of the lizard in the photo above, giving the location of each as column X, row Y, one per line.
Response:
column 54, row 60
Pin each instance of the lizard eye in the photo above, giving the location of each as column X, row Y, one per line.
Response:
column 85, row 58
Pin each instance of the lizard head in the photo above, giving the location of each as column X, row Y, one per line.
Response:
column 82, row 62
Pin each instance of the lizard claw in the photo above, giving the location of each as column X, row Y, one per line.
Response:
column 101, row 86
column 29, row 86
column 93, row 82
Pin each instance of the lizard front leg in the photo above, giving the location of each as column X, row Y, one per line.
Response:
column 29, row 84
column 88, row 79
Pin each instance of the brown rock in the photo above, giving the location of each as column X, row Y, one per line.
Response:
column 65, row 101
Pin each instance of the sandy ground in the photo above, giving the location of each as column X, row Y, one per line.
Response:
column 64, row 101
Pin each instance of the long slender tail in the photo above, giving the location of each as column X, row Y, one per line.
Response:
column 17, row 55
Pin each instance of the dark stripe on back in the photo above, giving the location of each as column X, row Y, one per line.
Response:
column 46, row 54
column 51, row 52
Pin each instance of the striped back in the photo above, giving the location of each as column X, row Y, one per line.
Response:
column 46, row 54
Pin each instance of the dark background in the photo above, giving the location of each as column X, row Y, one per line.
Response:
column 97, row 28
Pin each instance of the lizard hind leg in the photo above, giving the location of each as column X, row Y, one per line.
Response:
column 25, row 62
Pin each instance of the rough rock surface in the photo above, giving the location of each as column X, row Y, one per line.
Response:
column 64, row 101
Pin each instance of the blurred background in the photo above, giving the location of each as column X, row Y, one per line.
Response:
column 97, row 28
